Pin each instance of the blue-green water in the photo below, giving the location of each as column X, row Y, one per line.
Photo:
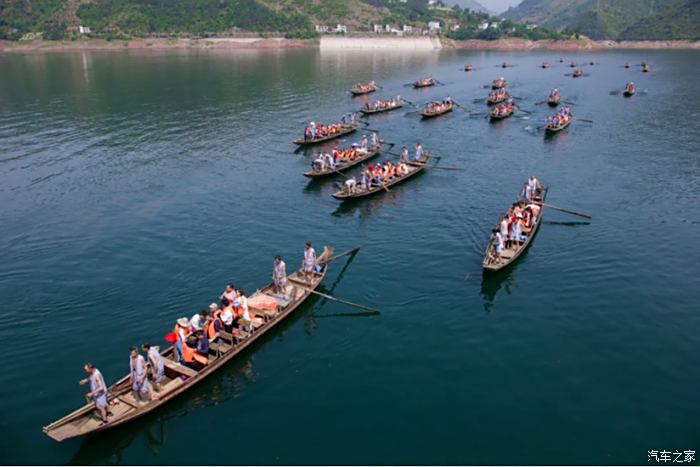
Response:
column 134, row 185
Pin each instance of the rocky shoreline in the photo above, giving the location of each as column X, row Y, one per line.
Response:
column 338, row 43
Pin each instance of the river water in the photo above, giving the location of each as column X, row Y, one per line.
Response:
column 133, row 185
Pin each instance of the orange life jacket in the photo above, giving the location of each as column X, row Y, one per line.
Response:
column 189, row 354
column 211, row 329
column 176, row 330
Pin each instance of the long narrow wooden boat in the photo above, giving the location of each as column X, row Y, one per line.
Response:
column 577, row 72
column 371, row 152
column 358, row 91
column 553, row 101
column 645, row 68
column 424, row 83
column 414, row 168
column 545, row 64
column 509, row 255
column 629, row 90
column 179, row 378
column 468, row 67
column 345, row 128
column 398, row 105
column 495, row 116
column 497, row 99
column 551, row 129
column 573, row 64
column 498, row 83
column 427, row 113
column 627, row 64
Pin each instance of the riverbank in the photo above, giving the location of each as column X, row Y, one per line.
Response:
column 335, row 43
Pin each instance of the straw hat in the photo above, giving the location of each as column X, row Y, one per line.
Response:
column 184, row 322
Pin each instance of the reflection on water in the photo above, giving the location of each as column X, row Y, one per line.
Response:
column 493, row 282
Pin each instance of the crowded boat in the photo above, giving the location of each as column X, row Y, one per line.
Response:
column 468, row 67
column 577, row 72
column 629, row 89
column 200, row 344
column 497, row 96
column 498, row 83
column 424, row 83
column 382, row 105
column 377, row 177
column 339, row 159
column 363, row 88
column 554, row 97
column 502, row 110
column 435, row 108
column 317, row 132
column 559, row 120
column 516, row 227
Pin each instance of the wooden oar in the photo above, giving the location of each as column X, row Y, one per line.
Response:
column 330, row 297
column 523, row 110
column 584, row 120
column 580, row 214
column 448, row 168
column 459, row 105
column 345, row 253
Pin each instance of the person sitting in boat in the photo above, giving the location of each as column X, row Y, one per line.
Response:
column 137, row 372
column 228, row 292
column 403, row 168
column 330, row 161
column 154, row 365
column 534, row 212
column 197, row 322
column 98, row 390
column 318, row 163
column 190, row 356
column 213, row 324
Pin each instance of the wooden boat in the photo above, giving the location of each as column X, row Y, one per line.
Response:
column 414, row 167
column 179, row 378
column 495, row 115
column 345, row 128
column 428, row 113
column 553, row 100
column 645, row 68
column 497, row 98
column 359, row 90
column 629, row 90
column 551, row 129
column 561, row 60
column 577, row 72
column 398, row 105
column 504, row 65
column 371, row 152
column 627, row 64
column 424, row 83
column 591, row 63
column 573, row 64
column 468, row 67
column 509, row 255
column 545, row 64
column 498, row 84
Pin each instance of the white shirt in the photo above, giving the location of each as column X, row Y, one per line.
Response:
column 227, row 316
column 309, row 256
column 196, row 322
column 504, row 227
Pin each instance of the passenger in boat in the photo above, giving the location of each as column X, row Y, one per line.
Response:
column 154, row 367
column 213, row 324
column 197, row 321
column 98, row 390
column 137, row 370
column 375, row 139
column 202, row 344
column 364, row 180
column 535, row 212
column 227, row 314
column 229, row 292
column 279, row 275
column 181, row 331
column 190, row 357
column 504, row 229
column 309, row 261
column 404, row 154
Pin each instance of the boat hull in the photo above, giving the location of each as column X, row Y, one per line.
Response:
column 309, row 142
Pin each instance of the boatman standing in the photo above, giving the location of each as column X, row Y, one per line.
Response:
column 155, row 365
column 137, row 369
column 279, row 275
column 420, row 155
column 404, row 155
column 363, row 142
column 98, row 390
column 375, row 139
column 309, row 261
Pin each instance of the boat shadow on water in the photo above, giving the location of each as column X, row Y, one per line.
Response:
column 493, row 282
